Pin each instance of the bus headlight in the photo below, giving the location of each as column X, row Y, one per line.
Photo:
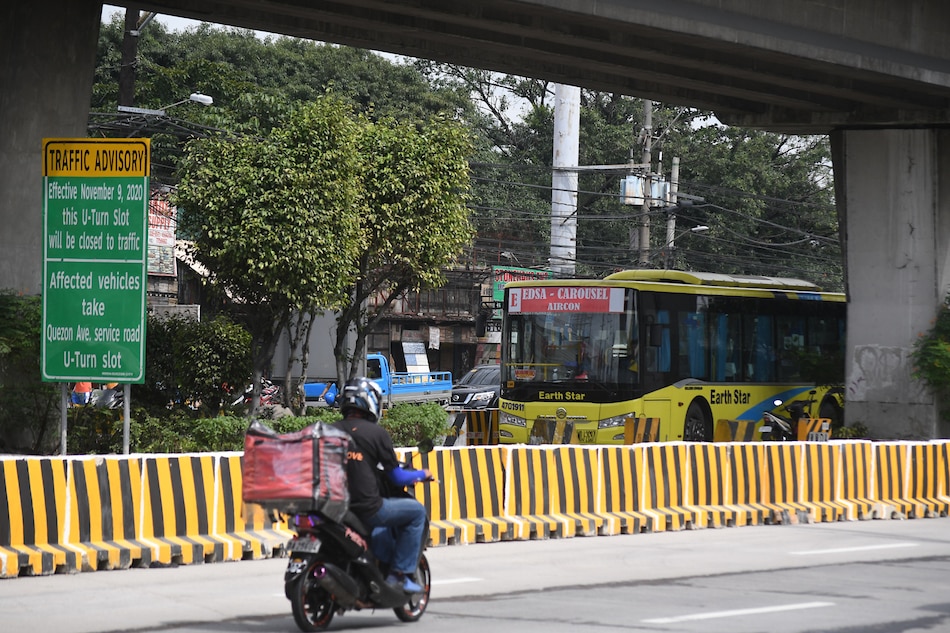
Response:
column 617, row 420
column 513, row 420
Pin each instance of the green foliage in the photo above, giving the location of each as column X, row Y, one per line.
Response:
column 414, row 219
column 238, row 69
column 931, row 353
column 29, row 415
column 95, row 431
column 190, row 363
column 856, row 431
column 276, row 218
column 410, row 424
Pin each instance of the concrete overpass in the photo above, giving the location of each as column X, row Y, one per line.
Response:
column 874, row 74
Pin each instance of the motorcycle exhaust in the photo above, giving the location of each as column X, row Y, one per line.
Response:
column 338, row 583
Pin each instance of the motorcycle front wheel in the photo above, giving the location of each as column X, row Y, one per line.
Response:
column 417, row 603
column 312, row 606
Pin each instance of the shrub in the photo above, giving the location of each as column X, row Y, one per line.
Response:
column 410, row 424
column 94, row 431
column 190, row 363
column 931, row 353
column 29, row 417
column 856, row 431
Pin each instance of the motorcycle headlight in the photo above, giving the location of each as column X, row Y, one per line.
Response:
column 513, row 420
column 617, row 420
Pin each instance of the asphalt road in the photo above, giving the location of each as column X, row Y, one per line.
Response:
column 870, row 576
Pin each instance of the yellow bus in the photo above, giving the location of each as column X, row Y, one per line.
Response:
column 684, row 348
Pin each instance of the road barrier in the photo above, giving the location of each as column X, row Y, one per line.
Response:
column 737, row 430
column 89, row 513
column 637, row 430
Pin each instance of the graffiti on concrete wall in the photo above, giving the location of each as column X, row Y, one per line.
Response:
column 883, row 374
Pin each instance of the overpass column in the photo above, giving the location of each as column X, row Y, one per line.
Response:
column 49, row 56
column 894, row 211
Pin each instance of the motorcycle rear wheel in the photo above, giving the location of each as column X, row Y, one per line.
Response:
column 312, row 606
column 417, row 603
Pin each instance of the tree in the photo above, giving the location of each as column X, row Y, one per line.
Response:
column 273, row 218
column 30, row 410
column 415, row 222
column 768, row 197
column 193, row 364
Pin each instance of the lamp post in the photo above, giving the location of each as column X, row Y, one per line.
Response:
column 197, row 97
column 670, row 245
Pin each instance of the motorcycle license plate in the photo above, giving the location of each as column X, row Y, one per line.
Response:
column 305, row 545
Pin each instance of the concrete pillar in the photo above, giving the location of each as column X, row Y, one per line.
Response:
column 567, row 123
column 895, row 215
column 49, row 56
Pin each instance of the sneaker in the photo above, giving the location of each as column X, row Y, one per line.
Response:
column 405, row 583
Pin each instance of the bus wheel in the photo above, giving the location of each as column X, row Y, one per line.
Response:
column 698, row 424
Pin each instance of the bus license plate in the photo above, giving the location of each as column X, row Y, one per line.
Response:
column 587, row 437
column 306, row 545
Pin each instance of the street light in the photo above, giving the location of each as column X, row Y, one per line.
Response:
column 197, row 97
column 671, row 240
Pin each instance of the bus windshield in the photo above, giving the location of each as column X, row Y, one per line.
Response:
column 588, row 341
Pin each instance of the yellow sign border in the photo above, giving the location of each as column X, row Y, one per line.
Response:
column 104, row 157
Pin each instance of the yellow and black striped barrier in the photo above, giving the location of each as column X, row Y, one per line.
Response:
column 737, row 430
column 103, row 513
column 33, row 497
column 665, row 487
column 637, row 430
column 481, row 427
column 479, row 507
column 62, row 515
column 621, row 491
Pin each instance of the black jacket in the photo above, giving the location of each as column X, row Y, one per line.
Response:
column 371, row 448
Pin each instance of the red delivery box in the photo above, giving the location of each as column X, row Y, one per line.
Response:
column 296, row 472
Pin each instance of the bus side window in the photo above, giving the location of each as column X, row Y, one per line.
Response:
column 693, row 347
column 764, row 357
column 665, row 351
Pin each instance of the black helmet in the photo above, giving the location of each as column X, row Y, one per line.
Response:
column 363, row 395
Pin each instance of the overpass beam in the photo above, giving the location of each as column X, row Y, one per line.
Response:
column 48, row 64
column 894, row 211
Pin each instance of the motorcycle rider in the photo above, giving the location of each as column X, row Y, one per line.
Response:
column 372, row 468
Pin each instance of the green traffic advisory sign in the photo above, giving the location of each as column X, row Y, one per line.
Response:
column 95, row 259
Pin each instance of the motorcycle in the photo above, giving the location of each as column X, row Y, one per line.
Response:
column 332, row 569
column 110, row 398
column 781, row 428
column 270, row 394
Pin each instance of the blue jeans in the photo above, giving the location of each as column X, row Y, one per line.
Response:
column 407, row 517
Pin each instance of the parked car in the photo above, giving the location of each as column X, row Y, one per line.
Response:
column 478, row 389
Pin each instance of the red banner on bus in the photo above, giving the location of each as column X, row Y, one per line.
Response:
column 565, row 299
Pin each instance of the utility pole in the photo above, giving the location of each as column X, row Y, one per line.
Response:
column 134, row 23
column 130, row 41
column 567, row 118
column 671, row 220
column 647, row 159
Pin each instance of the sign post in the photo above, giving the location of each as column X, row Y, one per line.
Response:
column 95, row 256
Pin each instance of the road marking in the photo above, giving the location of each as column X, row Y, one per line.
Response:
column 840, row 550
column 455, row 581
column 738, row 612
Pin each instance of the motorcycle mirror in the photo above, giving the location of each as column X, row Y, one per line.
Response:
column 425, row 446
